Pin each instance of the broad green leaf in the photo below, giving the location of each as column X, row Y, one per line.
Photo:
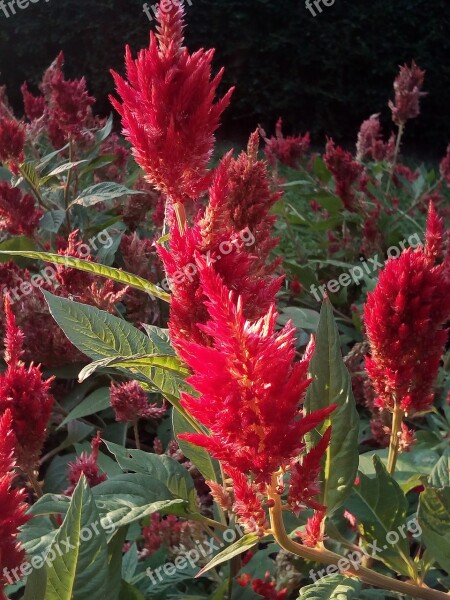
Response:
column 95, row 402
column 129, row 592
column 169, row 363
column 29, row 174
column 245, row 543
column 52, row 220
column 61, row 169
column 17, row 243
column 117, row 275
column 56, row 474
column 208, row 466
column 434, row 519
column 161, row 339
column 163, row 468
column 36, row 537
column 100, row 192
column 115, row 553
column 440, row 475
column 381, row 508
column 78, row 554
column 130, row 497
column 36, row 584
column 99, row 334
column 331, row 384
column 332, row 587
column 303, row 318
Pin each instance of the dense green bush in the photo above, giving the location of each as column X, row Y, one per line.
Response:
column 326, row 73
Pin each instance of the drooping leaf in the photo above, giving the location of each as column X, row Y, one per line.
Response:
column 169, row 363
column 101, row 192
column 245, row 543
column 332, row 587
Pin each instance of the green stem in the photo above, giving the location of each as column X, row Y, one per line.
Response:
column 327, row 557
column 397, row 418
column 401, row 129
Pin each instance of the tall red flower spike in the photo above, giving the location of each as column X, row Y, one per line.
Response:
column 405, row 318
column 26, row 395
column 248, row 372
column 12, row 139
column 168, row 110
column 12, row 505
column 346, row 172
column 407, row 86
column 288, row 150
column 370, row 141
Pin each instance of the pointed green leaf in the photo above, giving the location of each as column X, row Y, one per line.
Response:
column 381, row 508
column 168, row 363
column 245, row 543
column 100, row 192
column 117, row 275
column 93, row 403
column 78, row 554
column 434, row 519
column 36, row 584
column 332, row 385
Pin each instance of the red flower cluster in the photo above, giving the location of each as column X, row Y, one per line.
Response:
column 86, row 465
column 18, row 213
column 168, row 109
column 407, row 87
column 130, row 403
column 346, row 172
column 264, row 587
column 370, row 142
column 287, row 150
column 12, row 139
column 12, row 505
column 404, row 319
column 26, row 395
column 167, row 532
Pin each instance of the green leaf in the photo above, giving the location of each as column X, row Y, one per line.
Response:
column 208, row 466
column 163, row 468
column 79, row 569
column 332, row 385
column 52, row 220
column 381, row 509
column 105, row 131
column 17, row 243
column 434, row 519
column 61, row 169
column 302, row 318
column 95, row 402
column 131, row 497
column 101, row 192
column 29, row 173
column 440, row 475
column 115, row 553
column 96, row 269
column 245, row 543
column 332, row 587
column 36, row 584
column 169, row 363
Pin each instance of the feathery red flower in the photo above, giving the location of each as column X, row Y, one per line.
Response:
column 407, row 87
column 87, row 465
column 405, row 318
column 26, row 395
column 12, row 139
column 288, row 150
column 168, row 110
column 263, row 587
column 346, row 172
column 18, row 213
column 248, row 371
column 130, row 403
column 12, row 504
column 34, row 105
column 370, row 141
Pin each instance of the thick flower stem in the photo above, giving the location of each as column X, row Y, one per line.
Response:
column 327, row 557
column 137, row 439
column 397, row 419
column 181, row 216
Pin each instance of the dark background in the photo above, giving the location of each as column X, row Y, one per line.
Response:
column 324, row 74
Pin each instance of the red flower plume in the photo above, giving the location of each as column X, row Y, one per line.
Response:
column 168, row 110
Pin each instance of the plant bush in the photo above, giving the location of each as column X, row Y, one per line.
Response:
column 219, row 382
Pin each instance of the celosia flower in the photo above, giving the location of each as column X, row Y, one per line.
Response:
column 288, row 150
column 346, row 173
column 130, row 403
column 295, row 286
column 18, row 213
column 370, row 141
column 263, row 587
column 313, row 533
column 26, row 395
column 248, row 371
column 12, row 505
column 87, row 465
column 34, row 105
column 168, row 111
column 407, row 87
column 405, row 318
column 12, row 139
column 170, row 533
